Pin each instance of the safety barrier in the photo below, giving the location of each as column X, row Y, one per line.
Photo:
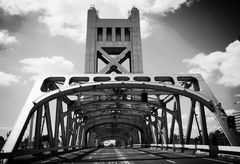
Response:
column 213, row 150
column 39, row 151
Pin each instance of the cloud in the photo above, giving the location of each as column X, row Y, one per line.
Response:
column 5, row 128
column 230, row 111
column 6, row 39
column 6, row 79
column 68, row 18
column 47, row 66
column 223, row 65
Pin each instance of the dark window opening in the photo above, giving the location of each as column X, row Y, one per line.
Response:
column 118, row 34
column 99, row 34
column 127, row 34
column 109, row 34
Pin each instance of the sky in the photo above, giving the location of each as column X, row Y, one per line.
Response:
column 47, row 37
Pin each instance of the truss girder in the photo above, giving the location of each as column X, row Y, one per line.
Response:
column 114, row 99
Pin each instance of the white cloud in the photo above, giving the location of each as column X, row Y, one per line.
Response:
column 47, row 66
column 230, row 111
column 68, row 17
column 226, row 63
column 7, row 79
column 184, row 117
column 5, row 128
column 145, row 27
column 5, row 38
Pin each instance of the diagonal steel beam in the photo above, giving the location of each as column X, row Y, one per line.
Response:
column 190, row 121
column 112, row 61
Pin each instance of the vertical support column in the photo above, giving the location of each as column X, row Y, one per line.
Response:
column 179, row 119
column 135, row 35
column 31, row 130
column 140, row 137
column 203, row 125
column 164, row 127
column 157, row 128
column 78, row 134
column 190, row 121
column 49, row 124
column 74, row 135
column 122, row 34
column 57, row 121
column 172, row 124
column 153, row 130
column 164, row 123
column 104, row 34
column 90, row 58
column 37, row 140
column 81, row 135
column 61, row 119
column 113, row 34
column 68, row 127
column 87, row 138
column 144, row 136
column 137, row 141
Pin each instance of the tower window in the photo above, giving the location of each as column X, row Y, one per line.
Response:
column 99, row 34
column 127, row 34
column 109, row 34
column 118, row 34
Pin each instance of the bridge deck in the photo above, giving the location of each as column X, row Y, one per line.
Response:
column 126, row 156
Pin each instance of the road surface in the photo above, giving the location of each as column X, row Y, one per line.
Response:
column 134, row 156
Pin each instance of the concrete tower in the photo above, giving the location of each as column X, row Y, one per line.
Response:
column 113, row 45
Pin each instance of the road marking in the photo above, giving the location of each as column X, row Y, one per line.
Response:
column 187, row 155
column 210, row 159
column 90, row 157
column 46, row 161
column 54, row 158
column 122, row 157
column 170, row 161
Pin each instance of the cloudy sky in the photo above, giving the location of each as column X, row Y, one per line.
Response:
column 47, row 37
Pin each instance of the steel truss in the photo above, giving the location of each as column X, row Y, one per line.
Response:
column 84, row 110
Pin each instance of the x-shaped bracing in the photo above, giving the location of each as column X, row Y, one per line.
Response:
column 113, row 63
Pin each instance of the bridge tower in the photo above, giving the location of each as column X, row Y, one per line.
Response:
column 113, row 45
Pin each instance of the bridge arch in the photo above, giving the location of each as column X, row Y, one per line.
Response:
column 151, row 106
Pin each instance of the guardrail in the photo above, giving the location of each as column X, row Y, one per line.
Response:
column 12, row 155
column 213, row 150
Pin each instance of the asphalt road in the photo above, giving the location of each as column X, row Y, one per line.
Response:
column 132, row 156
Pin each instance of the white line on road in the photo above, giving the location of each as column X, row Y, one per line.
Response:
column 90, row 157
column 187, row 155
column 122, row 157
column 46, row 161
column 210, row 159
column 170, row 161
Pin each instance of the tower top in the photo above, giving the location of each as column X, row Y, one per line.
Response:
column 113, row 45
column 92, row 6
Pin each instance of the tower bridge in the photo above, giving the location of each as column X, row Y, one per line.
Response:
column 113, row 100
